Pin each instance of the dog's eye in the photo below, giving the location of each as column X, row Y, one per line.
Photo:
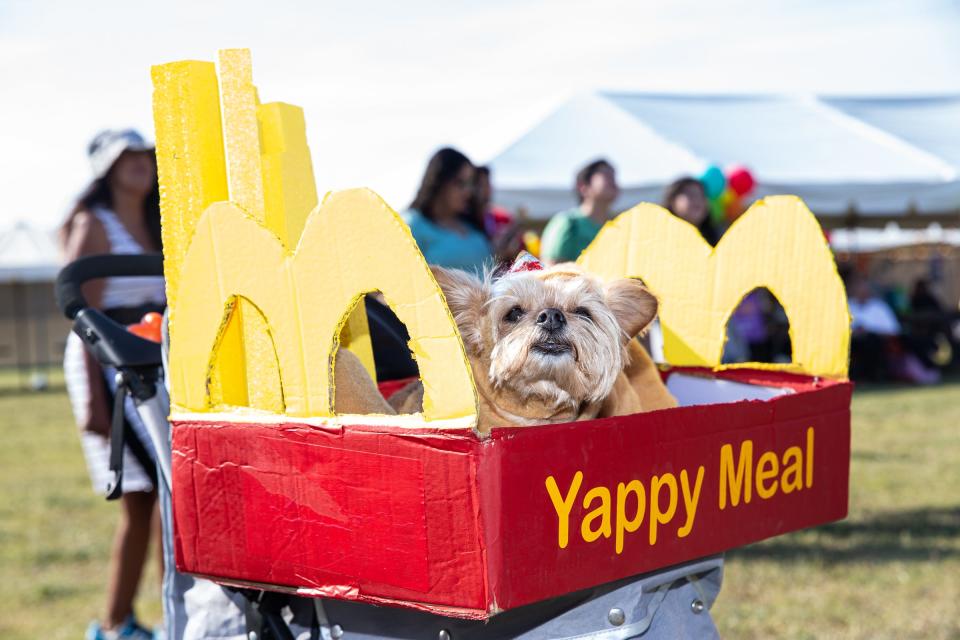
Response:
column 583, row 312
column 514, row 315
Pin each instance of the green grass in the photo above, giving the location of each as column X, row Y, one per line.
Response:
column 54, row 532
column 14, row 380
column 890, row 570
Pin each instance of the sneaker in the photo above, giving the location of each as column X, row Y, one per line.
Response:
column 129, row 630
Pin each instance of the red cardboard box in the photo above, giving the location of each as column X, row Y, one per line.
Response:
column 465, row 525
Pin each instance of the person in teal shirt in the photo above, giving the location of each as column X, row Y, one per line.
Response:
column 436, row 215
column 569, row 232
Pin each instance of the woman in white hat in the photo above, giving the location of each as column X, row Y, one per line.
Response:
column 118, row 213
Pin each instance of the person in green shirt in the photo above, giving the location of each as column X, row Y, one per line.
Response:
column 569, row 232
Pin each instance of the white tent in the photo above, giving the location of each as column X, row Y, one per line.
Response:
column 32, row 329
column 27, row 254
column 928, row 123
column 801, row 145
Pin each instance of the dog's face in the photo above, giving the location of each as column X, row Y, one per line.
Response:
column 558, row 335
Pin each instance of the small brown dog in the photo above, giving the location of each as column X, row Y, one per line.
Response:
column 551, row 345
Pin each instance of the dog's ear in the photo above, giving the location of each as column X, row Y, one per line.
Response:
column 632, row 305
column 466, row 296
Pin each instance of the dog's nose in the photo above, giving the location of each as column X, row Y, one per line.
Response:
column 551, row 320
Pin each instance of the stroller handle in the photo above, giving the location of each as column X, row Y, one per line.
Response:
column 70, row 279
column 109, row 341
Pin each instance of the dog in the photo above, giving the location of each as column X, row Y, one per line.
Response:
column 550, row 345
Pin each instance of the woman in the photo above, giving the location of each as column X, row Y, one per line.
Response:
column 118, row 213
column 436, row 215
column 496, row 223
column 686, row 199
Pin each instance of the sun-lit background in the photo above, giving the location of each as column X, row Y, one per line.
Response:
column 383, row 84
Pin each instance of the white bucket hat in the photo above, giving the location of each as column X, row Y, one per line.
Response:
column 107, row 146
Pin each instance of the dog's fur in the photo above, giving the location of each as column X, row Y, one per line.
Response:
column 529, row 369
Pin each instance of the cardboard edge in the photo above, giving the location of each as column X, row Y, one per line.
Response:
column 487, row 491
column 412, row 422
column 350, row 594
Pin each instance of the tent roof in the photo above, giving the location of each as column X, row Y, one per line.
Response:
column 27, row 254
column 796, row 144
column 931, row 123
column 587, row 127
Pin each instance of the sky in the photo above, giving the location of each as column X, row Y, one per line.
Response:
column 384, row 84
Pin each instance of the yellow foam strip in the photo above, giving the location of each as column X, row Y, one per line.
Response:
column 238, row 100
column 192, row 174
column 190, row 158
column 246, row 179
column 776, row 244
column 289, row 186
column 228, row 384
column 290, row 193
column 355, row 336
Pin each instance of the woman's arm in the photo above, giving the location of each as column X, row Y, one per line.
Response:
column 87, row 237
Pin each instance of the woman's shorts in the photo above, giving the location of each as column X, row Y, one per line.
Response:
column 96, row 448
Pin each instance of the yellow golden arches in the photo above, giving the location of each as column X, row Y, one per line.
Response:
column 776, row 244
column 215, row 270
column 227, row 383
column 217, row 142
column 353, row 243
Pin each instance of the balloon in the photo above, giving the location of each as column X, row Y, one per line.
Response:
column 740, row 180
column 726, row 198
column 716, row 212
column 713, row 181
column 532, row 242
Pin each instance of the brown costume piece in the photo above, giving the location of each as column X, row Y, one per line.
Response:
column 354, row 390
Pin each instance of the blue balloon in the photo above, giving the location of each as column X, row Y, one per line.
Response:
column 713, row 181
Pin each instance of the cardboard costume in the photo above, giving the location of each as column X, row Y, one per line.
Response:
column 278, row 484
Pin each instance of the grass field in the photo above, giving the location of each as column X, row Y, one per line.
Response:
column 890, row 570
column 54, row 532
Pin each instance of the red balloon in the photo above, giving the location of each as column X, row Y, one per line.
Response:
column 740, row 180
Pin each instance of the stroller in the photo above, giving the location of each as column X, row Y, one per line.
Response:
column 671, row 603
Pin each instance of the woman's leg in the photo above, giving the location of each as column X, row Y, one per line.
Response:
column 128, row 555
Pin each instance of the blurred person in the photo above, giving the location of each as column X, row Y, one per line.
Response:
column 687, row 199
column 495, row 222
column 878, row 349
column 439, row 216
column 869, row 312
column 118, row 213
column 758, row 330
column 570, row 232
column 872, row 326
column 929, row 326
column 922, row 297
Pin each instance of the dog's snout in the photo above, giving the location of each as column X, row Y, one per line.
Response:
column 551, row 319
